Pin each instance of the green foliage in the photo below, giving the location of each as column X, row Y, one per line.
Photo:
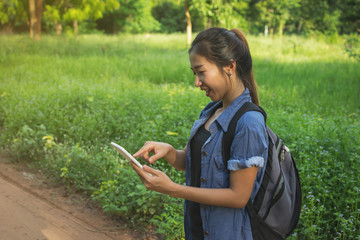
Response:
column 138, row 18
column 275, row 13
column 126, row 196
column 230, row 14
column 63, row 100
column 27, row 143
column 167, row 16
column 171, row 220
column 12, row 13
column 321, row 149
column 7, row 10
column 349, row 17
column 170, row 16
column 352, row 46
column 82, row 10
column 134, row 16
column 59, row 12
column 51, row 14
column 322, row 16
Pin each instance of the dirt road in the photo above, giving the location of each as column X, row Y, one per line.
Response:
column 31, row 209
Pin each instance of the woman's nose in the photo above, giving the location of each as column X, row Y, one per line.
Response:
column 197, row 82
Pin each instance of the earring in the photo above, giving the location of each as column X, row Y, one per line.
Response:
column 229, row 74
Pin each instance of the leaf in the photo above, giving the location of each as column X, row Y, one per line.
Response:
column 172, row 133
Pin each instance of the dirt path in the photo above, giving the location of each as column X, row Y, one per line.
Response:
column 31, row 209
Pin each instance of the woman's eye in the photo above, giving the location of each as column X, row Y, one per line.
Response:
column 198, row 73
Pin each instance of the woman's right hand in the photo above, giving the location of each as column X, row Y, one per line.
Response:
column 152, row 151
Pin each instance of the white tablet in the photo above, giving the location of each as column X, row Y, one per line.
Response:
column 126, row 154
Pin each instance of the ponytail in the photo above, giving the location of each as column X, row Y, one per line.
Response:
column 248, row 79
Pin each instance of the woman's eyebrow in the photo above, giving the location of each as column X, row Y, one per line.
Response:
column 196, row 67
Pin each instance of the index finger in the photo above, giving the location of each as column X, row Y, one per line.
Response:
column 144, row 151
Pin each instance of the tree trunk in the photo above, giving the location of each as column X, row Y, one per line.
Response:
column 266, row 30
column 281, row 27
column 300, row 26
column 39, row 10
column 210, row 22
column 189, row 26
column 32, row 16
column 115, row 31
column 58, row 28
column 271, row 30
column 76, row 27
column 35, row 12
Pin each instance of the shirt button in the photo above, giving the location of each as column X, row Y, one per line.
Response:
column 203, row 179
column 204, row 153
column 206, row 233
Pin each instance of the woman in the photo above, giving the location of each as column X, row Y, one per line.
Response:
column 215, row 195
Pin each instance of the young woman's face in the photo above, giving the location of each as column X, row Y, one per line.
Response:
column 209, row 77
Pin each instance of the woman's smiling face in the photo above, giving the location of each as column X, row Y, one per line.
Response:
column 209, row 77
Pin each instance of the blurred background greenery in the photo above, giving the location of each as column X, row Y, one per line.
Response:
column 266, row 17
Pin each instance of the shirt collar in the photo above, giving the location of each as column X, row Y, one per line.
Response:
column 224, row 119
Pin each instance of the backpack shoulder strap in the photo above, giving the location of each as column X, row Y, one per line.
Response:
column 229, row 134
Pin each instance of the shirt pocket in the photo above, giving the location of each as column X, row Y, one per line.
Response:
column 220, row 173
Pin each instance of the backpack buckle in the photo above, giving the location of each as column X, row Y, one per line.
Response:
column 282, row 154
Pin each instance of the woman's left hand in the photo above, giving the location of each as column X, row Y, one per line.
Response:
column 154, row 179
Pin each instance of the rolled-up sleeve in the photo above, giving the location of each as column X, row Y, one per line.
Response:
column 250, row 143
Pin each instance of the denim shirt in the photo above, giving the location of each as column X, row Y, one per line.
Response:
column 249, row 148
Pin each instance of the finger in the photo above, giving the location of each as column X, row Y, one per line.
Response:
column 152, row 171
column 158, row 153
column 145, row 156
column 152, row 159
column 140, row 153
column 141, row 178
column 135, row 167
column 144, row 151
column 141, row 172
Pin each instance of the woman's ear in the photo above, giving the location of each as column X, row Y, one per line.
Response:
column 231, row 68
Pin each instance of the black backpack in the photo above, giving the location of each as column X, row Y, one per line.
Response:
column 276, row 208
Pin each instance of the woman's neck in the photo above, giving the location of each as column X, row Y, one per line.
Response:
column 234, row 93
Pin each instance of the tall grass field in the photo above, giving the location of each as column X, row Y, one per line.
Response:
column 63, row 100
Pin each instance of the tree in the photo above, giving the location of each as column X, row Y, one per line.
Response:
column 170, row 15
column 52, row 18
column 35, row 13
column 77, row 11
column 7, row 10
column 350, row 17
column 232, row 14
column 319, row 16
column 12, row 12
column 275, row 13
column 188, row 21
column 133, row 16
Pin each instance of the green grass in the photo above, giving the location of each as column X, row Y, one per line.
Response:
column 62, row 101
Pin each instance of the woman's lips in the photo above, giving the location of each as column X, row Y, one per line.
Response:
column 207, row 91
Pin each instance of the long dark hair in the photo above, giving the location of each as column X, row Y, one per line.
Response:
column 221, row 46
